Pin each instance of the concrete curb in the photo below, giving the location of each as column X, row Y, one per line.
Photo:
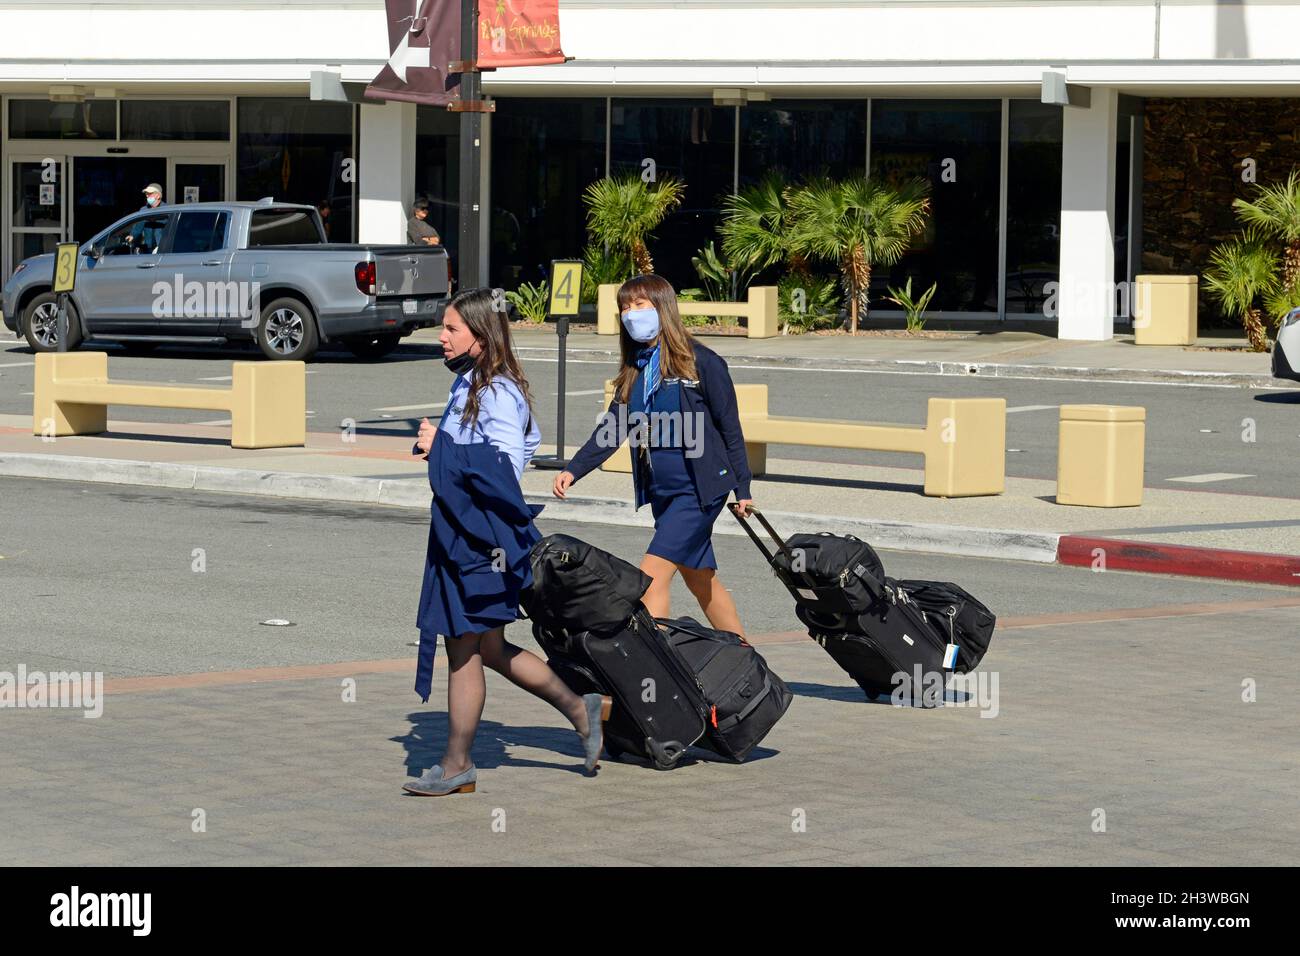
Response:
column 1034, row 546
column 969, row 369
column 1218, row 563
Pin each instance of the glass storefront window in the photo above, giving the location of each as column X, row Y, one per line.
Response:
column 801, row 138
column 956, row 145
column 691, row 140
column 437, row 172
column 1033, row 204
column 545, row 154
column 45, row 119
column 176, row 119
column 1123, row 164
column 295, row 150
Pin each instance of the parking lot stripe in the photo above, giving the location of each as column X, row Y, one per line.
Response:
column 1208, row 477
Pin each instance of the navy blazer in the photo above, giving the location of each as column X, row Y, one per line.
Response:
column 480, row 533
column 722, row 466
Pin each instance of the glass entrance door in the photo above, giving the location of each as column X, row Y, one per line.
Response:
column 106, row 188
column 200, row 182
column 39, row 207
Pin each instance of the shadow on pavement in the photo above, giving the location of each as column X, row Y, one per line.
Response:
column 845, row 483
column 857, row 695
column 428, row 733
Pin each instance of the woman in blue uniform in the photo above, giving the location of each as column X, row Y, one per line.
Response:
column 676, row 405
column 480, row 533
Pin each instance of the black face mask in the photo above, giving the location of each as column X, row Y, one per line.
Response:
column 460, row 364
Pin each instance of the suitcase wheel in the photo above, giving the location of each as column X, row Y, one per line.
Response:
column 665, row 755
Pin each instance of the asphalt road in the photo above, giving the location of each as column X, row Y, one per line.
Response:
column 104, row 577
column 1192, row 431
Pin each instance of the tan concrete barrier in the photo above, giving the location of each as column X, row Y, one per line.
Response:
column 760, row 310
column 963, row 441
column 1164, row 310
column 267, row 401
column 1101, row 455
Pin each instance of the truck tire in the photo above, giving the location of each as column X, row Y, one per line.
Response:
column 373, row 346
column 40, row 324
column 287, row 331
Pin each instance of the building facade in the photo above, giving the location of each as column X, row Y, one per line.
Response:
column 1041, row 210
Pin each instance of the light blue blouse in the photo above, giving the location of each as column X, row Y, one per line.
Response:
column 503, row 419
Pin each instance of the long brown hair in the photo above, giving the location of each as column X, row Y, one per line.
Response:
column 491, row 330
column 676, row 346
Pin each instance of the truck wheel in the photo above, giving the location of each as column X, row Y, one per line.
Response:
column 373, row 346
column 287, row 331
column 41, row 324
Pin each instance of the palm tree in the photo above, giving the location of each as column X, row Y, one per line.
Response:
column 621, row 212
column 1241, row 272
column 756, row 225
column 1276, row 211
column 857, row 224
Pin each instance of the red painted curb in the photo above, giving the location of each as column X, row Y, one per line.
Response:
column 1120, row 555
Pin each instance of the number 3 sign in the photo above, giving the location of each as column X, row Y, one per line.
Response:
column 65, row 267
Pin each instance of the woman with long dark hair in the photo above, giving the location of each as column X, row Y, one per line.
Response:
column 480, row 533
column 675, row 403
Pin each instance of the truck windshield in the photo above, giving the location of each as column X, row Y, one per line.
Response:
column 283, row 227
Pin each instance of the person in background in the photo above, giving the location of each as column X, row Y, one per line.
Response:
column 418, row 229
column 323, row 207
column 145, row 236
column 480, row 534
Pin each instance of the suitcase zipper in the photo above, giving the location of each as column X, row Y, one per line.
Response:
column 675, row 656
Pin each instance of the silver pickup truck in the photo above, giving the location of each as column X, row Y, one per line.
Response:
column 218, row 272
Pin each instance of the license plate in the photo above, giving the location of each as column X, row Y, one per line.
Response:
column 409, row 306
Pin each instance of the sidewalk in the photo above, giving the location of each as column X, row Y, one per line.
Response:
column 1204, row 533
column 1213, row 360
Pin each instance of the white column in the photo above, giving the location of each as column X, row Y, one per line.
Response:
column 1086, row 297
column 387, row 182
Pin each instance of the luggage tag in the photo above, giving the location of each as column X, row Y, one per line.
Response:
column 950, row 657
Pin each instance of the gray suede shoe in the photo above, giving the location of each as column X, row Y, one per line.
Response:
column 434, row 784
column 598, row 708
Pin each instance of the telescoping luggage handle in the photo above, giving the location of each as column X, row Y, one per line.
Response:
column 872, row 585
column 776, row 538
column 767, row 552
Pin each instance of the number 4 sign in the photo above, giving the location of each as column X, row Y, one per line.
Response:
column 566, row 286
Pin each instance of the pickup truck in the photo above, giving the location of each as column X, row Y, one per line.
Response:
column 219, row 272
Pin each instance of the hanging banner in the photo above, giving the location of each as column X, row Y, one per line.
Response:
column 423, row 39
column 518, row 33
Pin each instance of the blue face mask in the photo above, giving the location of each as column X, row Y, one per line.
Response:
column 641, row 324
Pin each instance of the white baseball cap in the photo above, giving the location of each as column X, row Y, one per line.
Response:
column 152, row 188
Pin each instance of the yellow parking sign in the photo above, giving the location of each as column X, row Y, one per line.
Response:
column 65, row 267
column 566, row 286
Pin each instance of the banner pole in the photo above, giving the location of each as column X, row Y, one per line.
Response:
column 471, row 133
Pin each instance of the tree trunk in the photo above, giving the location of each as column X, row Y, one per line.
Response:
column 641, row 258
column 1291, row 265
column 1255, row 330
column 858, row 272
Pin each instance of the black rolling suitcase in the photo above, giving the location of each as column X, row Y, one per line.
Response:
column 587, row 616
column 744, row 695
column 872, row 626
